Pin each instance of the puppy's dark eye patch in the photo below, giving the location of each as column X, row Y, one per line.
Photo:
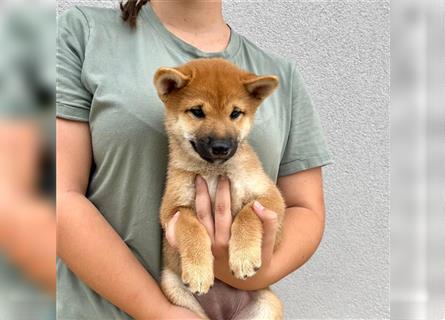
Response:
column 197, row 112
column 236, row 113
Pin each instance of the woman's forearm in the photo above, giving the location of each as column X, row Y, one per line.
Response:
column 93, row 250
column 302, row 233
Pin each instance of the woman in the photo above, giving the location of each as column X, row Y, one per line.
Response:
column 112, row 154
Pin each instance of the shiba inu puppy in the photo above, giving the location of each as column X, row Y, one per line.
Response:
column 210, row 107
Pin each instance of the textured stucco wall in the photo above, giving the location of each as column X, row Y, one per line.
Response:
column 342, row 49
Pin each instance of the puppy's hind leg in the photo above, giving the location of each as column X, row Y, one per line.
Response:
column 177, row 293
column 264, row 306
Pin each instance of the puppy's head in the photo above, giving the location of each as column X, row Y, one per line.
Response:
column 210, row 105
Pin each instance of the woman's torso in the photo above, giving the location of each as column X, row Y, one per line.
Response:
column 128, row 139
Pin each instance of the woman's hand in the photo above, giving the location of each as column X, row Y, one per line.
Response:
column 302, row 230
column 218, row 226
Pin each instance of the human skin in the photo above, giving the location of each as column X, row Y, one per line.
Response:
column 99, row 256
column 302, row 228
column 201, row 24
column 204, row 28
column 133, row 289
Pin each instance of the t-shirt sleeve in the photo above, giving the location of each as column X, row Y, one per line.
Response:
column 73, row 99
column 306, row 145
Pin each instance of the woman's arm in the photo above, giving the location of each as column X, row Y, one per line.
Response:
column 88, row 244
column 302, row 231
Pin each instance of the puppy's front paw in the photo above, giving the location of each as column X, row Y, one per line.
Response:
column 198, row 278
column 244, row 261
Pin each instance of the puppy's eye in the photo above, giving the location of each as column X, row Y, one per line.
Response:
column 197, row 112
column 236, row 113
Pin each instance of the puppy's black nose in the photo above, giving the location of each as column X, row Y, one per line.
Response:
column 221, row 148
column 212, row 149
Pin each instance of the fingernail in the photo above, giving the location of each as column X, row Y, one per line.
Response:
column 223, row 178
column 176, row 214
column 198, row 180
column 258, row 206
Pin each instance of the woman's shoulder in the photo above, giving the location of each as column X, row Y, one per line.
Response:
column 266, row 58
column 91, row 16
column 266, row 62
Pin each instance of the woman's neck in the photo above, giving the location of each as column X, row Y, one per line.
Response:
column 197, row 22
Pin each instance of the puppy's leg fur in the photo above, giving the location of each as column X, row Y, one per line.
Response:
column 178, row 294
column 245, row 243
column 247, row 233
column 194, row 247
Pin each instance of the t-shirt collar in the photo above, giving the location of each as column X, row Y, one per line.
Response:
column 188, row 49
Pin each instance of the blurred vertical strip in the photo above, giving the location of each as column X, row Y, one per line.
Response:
column 408, row 51
column 27, row 182
column 417, row 159
column 435, row 155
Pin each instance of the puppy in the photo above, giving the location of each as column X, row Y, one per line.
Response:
column 210, row 107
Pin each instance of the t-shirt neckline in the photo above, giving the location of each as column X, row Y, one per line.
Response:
column 186, row 48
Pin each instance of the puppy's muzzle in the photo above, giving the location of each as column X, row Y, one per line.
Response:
column 212, row 149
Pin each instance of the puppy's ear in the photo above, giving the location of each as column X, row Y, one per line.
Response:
column 167, row 80
column 262, row 86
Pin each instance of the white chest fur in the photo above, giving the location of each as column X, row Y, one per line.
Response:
column 247, row 180
column 212, row 184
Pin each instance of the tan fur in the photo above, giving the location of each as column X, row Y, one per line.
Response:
column 218, row 86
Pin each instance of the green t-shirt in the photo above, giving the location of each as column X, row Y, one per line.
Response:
column 104, row 77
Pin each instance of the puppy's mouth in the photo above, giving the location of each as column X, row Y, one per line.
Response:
column 193, row 145
column 214, row 151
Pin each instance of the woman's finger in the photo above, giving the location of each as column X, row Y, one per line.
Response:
column 203, row 206
column 269, row 220
column 170, row 230
column 223, row 213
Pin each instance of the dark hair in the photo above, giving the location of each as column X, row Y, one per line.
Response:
column 130, row 10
